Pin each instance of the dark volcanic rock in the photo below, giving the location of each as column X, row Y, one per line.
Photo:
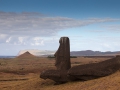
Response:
column 58, row 76
column 95, row 70
column 62, row 55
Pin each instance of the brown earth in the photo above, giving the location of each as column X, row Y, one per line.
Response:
column 23, row 74
column 26, row 55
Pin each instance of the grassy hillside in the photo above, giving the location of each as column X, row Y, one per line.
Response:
column 23, row 74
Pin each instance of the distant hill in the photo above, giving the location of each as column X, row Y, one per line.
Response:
column 26, row 55
column 94, row 53
column 36, row 52
column 46, row 53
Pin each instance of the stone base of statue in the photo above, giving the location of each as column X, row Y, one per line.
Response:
column 57, row 75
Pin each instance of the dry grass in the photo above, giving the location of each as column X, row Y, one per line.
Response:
column 23, row 74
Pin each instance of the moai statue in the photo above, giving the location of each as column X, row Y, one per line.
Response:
column 65, row 73
column 62, row 55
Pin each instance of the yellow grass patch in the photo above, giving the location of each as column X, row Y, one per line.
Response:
column 23, row 74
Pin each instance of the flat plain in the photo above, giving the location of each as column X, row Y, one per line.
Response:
column 23, row 74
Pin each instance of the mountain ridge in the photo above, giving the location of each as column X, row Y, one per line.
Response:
column 37, row 52
column 94, row 53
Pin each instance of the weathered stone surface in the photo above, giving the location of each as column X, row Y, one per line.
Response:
column 62, row 55
column 95, row 70
column 58, row 76
column 62, row 63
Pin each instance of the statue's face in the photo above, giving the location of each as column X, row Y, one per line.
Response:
column 60, row 40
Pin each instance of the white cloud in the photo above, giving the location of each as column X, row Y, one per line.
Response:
column 37, row 41
column 115, row 28
column 8, row 40
column 106, row 45
column 96, row 44
column 3, row 37
column 34, row 41
column 35, row 30
column 36, row 24
column 36, row 38
column 20, row 39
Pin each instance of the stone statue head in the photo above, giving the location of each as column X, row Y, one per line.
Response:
column 63, row 54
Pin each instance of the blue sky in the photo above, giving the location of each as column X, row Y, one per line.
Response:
column 38, row 24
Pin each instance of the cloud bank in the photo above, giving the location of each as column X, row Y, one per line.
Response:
column 36, row 24
column 36, row 29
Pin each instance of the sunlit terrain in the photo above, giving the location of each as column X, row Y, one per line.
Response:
column 23, row 74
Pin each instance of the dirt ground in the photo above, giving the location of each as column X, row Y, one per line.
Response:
column 23, row 74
